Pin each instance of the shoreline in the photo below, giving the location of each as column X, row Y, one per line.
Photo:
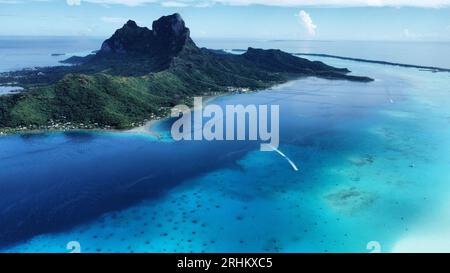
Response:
column 144, row 129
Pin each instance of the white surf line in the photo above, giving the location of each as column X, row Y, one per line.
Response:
column 285, row 157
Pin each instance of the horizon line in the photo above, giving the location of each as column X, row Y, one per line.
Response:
column 237, row 38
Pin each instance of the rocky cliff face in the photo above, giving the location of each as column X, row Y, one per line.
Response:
column 168, row 36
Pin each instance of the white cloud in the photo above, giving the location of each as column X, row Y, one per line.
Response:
column 284, row 3
column 124, row 2
column 342, row 3
column 408, row 34
column 10, row 2
column 134, row 3
column 131, row 3
column 73, row 2
column 174, row 4
column 21, row 1
column 307, row 22
column 204, row 4
column 428, row 36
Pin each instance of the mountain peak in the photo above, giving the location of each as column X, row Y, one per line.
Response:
column 131, row 24
column 170, row 25
column 168, row 36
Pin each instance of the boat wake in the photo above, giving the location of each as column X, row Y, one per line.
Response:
column 285, row 157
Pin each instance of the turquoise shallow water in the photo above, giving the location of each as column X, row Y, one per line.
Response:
column 373, row 166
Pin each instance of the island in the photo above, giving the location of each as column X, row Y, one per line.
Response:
column 138, row 75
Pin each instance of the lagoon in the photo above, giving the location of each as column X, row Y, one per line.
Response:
column 373, row 166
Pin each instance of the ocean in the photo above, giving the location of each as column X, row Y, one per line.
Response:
column 27, row 52
column 372, row 157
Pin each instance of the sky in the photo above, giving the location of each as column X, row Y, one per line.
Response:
column 397, row 20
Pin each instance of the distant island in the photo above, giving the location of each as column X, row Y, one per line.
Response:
column 429, row 68
column 138, row 75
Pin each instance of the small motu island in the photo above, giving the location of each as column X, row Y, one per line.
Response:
column 138, row 75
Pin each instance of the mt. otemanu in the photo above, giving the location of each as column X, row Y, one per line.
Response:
column 139, row 74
